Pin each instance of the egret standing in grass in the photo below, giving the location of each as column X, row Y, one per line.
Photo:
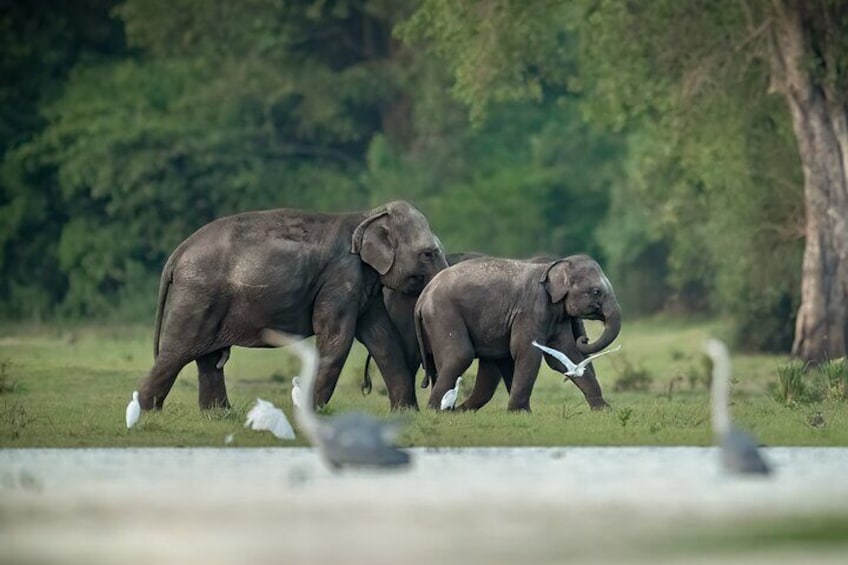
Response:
column 449, row 398
column 352, row 439
column 133, row 410
column 739, row 450
column 572, row 369
column 296, row 393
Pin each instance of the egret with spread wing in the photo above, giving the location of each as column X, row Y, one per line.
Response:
column 351, row 439
column 265, row 416
column 573, row 369
column 739, row 450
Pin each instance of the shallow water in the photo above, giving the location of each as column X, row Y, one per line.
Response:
column 480, row 502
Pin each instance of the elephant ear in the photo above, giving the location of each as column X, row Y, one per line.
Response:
column 555, row 279
column 371, row 241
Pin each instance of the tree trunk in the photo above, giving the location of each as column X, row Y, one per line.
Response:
column 820, row 121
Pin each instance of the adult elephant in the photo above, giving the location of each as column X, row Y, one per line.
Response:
column 493, row 308
column 299, row 272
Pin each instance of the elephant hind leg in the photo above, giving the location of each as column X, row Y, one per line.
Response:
column 449, row 368
column 155, row 388
column 506, row 368
column 212, row 389
column 485, row 385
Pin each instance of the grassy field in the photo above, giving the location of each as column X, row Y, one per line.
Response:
column 68, row 387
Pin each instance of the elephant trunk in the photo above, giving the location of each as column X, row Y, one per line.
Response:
column 611, row 317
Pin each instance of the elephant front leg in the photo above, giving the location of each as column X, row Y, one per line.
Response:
column 591, row 389
column 379, row 335
column 155, row 388
column 588, row 383
column 212, row 389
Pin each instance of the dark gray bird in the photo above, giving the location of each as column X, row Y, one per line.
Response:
column 739, row 450
column 352, row 439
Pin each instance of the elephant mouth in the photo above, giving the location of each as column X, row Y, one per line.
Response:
column 597, row 316
column 414, row 285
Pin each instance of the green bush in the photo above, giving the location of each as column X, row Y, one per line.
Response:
column 791, row 385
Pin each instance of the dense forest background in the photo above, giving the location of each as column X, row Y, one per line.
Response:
column 126, row 125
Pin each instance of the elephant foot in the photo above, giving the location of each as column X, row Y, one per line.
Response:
column 471, row 405
column 407, row 402
column 213, row 397
column 148, row 402
column 405, row 405
column 597, row 403
column 210, row 404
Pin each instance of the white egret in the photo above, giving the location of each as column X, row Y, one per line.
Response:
column 133, row 410
column 449, row 398
column 265, row 416
column 739, row 450
column 350, row 439
column 296, row 393
column 573, row 369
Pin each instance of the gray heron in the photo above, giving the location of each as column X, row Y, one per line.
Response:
column 354, row 439
column 739, row 450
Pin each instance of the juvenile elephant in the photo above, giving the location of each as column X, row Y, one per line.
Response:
column 299, row 272
column 493, row 309
column 401, row 309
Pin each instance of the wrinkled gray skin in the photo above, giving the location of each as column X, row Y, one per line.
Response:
column 401, row 309
column 298, row 272
column 492, row 309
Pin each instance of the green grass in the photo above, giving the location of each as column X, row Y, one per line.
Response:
column 68, row 387
column 808, row 536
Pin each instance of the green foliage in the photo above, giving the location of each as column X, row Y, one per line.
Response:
column 710, row 189
column 791, row 386
column 835, row 376
column 631, row 378
column 498, row 51
column 640, row 132
column 714, row 189
column 798, row 383
column 6, row 385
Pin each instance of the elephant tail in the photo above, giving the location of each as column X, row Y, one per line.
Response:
column 427, row 362
column 164, row 286
column 366, row 377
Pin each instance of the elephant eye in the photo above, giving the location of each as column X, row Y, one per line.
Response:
column 427, row 256
column 596, row 292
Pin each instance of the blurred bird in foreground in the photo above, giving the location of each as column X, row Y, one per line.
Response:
column 449, row 398
column 572, row 369
column 133, row 410
column 739, row 450
column 265, row 416
column 352, row 439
